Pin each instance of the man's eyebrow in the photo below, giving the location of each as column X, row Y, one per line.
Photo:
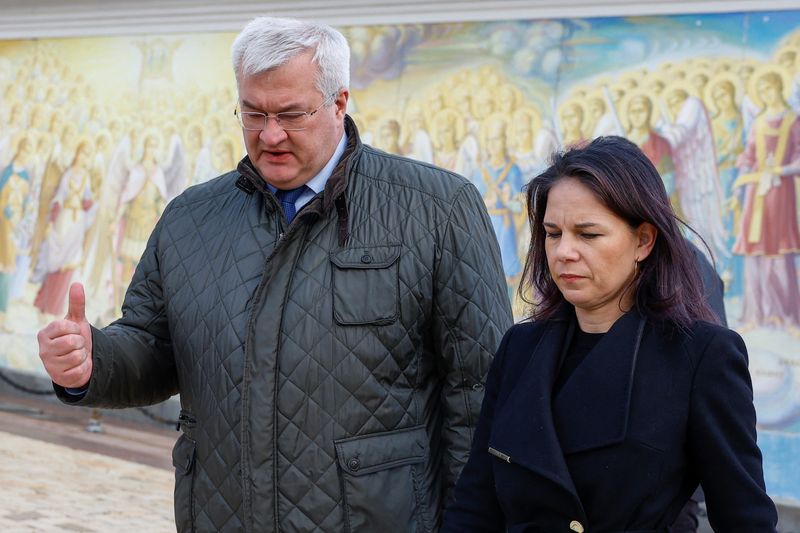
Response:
column 294, row 106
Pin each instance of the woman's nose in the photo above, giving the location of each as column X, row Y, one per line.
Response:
column 566, row 249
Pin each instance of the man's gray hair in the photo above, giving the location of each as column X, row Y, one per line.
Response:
column 269, row 42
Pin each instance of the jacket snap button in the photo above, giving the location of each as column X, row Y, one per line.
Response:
column 353, row 464
column 366, row 259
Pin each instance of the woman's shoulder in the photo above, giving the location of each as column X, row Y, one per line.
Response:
column 703, row 338
column 701, row 330
column 521, row 339
column 523, row 330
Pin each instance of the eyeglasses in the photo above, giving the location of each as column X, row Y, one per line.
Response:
column 288, row 120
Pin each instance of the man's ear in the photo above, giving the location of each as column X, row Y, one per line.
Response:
column 341, row 103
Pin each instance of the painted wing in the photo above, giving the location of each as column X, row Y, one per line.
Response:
column 175, row 168
column 696, row 174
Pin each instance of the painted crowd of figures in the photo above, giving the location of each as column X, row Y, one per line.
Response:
column 83, row 184
column 723, row 133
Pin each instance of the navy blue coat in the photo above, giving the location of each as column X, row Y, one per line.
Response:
column 645, row 417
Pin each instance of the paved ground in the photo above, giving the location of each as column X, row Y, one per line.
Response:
column 56, row 477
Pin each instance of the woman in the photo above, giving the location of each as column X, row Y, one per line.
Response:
column 605, row 412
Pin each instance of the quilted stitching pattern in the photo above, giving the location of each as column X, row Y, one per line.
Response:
column 209, row 281
column 308, row 380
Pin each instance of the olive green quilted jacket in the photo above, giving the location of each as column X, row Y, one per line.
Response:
column 329, row 370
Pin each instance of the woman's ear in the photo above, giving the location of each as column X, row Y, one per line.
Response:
column 646, row 235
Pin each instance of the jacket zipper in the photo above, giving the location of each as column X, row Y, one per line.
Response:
column 246, row 468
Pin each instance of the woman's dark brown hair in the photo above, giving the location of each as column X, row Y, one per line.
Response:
column 668, row 286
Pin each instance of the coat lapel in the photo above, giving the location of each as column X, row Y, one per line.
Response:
column 524, row 430
column 592, row 408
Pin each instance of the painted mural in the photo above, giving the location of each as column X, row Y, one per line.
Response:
column 97, row 135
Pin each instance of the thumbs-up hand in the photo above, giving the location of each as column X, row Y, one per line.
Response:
column 65, row 346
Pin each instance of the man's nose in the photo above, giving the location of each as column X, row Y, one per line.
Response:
column 273, row 132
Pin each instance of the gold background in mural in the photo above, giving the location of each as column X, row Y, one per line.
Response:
column 97, row 135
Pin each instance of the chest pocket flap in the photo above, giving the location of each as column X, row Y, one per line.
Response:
column 366, row 287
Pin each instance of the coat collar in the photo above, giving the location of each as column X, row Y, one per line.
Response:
column 334, row 194
column 590, row 411
column 592, row 408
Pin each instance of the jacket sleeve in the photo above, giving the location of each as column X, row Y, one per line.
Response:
column 132, row 358
column 722, row 439
column 475, row 507
column 471, row 311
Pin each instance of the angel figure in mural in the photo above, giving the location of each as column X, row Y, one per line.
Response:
column 61, row 157
column 225, row 154
column 198, row 155
column 697, row 183
column 416, row 141
column 728, row 126
column 638, row 111
column 26, row 224
column 387, row 136
column 14, row 125
column 531, row 141
column 447, row 128
column 71, row 213
column 508, row 98
column 788, row 57
column 99, row 243
column 601, row 114
column 571, row 115
column 14, row 187
column 469, row 149
column 434, row 101
column 750, row 109
column 500, row 182
column 43, row 144
column 98, row 171
column 146, row 189
column 768, row 234
column 698, row 79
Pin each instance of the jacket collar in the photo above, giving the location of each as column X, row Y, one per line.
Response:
column 334, row 194
column 591, row 410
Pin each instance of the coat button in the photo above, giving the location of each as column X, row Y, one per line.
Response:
column 576, row 526
column 366, row 259
column 353, row 464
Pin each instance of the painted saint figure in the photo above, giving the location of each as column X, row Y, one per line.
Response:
column 14, row 185
column 768, row 234
column 500, row 182
column 71, row 214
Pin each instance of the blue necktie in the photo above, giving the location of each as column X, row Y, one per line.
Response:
column 288, row 198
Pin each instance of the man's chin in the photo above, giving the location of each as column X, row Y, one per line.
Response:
column 276, row 173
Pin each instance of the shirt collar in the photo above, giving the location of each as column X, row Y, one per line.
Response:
column 317, row 183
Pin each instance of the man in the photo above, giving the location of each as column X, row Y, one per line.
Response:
column 327, row 313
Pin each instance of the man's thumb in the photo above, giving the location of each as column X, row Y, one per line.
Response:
column 77, row 303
